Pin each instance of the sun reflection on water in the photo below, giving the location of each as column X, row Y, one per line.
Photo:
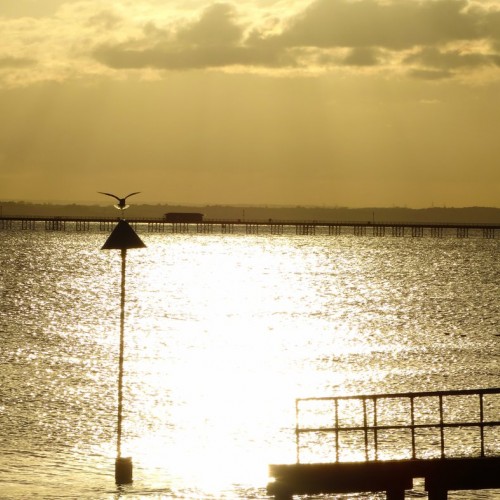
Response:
column 208, row 396
column 209, row 393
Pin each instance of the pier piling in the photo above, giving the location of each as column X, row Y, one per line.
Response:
column 398, row 231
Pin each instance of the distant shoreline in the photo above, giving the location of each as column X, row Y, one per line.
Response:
column 433, row 214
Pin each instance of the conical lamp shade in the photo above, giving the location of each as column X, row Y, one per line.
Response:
column 123, row 237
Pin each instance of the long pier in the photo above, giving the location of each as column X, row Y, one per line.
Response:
column 449, row 438
column 259, row 226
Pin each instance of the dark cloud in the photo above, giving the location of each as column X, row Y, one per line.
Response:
column 16, row 62
column 363, row 56
column 28, row 8
column 488, row 21
column 106, row 20
column 371, row 30
column 430, row 74
column 120, row 57
column 215, row 40
column 433, row 58
column 216, row 28
column 364, row 23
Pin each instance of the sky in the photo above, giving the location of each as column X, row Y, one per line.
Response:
column 356, row 103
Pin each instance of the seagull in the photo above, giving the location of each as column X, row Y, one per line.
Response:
column 121, row 205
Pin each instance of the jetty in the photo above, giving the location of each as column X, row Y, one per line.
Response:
column 257, row 226
column 382, row 442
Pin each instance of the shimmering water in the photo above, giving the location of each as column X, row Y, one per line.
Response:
column 222, row 333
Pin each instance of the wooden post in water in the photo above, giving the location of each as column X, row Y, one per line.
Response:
column 396, row 494
column 122, row 238
column 438, row 494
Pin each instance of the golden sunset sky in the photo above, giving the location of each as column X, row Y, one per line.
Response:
column 287, row 102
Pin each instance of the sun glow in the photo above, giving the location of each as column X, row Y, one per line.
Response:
column 208, row 394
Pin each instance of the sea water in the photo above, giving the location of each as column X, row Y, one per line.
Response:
column 222, row 333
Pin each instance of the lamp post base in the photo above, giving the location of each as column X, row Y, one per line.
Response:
column 123, row 470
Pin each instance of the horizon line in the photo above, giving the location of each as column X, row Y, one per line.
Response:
column 249, row 205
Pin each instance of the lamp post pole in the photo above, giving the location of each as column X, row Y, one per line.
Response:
column 122, row 238
column 120, row 361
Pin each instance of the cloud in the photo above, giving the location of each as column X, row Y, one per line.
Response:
column 437, row 38
column 105, row 19
column 374, row 33
column 363, row 56
column 395, row 25
column 215, row 40
column 217, row 27
column 29, row 8
column 185, row 58
column 16, row 62
column 428, row 74
column 435, row 59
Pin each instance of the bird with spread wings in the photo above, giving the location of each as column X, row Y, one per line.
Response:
column 122, row 204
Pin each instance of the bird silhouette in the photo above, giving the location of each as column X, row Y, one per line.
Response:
column 121, row 205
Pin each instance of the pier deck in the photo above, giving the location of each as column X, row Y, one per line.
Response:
column 261, row 226
column 427, row 429
column 393, row 477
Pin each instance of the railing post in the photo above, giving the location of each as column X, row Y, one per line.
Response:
column 481, row 422
column 412, row 410
column 297, row 430
column 375, row 427
column 337, row 430
column 441, row 424
column 365, row 425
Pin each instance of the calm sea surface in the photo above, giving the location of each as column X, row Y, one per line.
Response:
column 222, row 333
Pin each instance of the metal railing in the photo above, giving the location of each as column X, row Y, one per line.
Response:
column 410, row 413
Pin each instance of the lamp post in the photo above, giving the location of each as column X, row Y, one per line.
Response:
column 122, row 238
